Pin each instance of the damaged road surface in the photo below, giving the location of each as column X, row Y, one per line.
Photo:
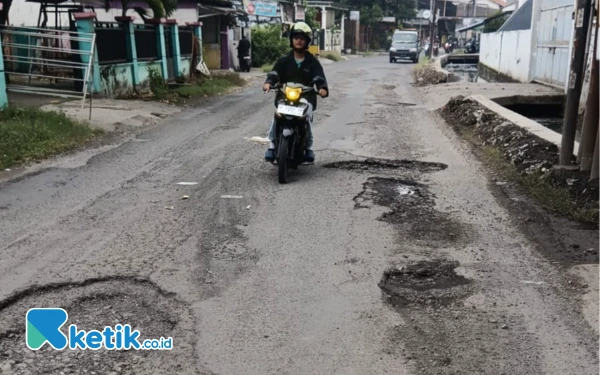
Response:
column 390, row 255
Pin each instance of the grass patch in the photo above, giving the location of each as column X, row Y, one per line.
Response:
column 212, row 87
column 331, row 55
column 28, row 134
column 200, row 88
column 423, row 62
column 267, row 68
column 368, row 54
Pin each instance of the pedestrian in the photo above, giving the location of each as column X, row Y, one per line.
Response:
column 244, row 54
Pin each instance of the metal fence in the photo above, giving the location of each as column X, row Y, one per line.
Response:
column 146, row 42
column 111, row 39
column 185, row 41
column 48, row 61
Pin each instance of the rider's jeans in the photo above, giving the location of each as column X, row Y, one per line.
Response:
column 309, row 135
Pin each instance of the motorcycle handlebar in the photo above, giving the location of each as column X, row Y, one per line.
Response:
column 304, row 88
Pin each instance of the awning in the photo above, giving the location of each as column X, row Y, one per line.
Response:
column 471, row 27
column 326, row 5
column 205, row 11
column 482, row 23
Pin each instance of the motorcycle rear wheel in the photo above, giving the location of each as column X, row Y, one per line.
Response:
column 283, row 160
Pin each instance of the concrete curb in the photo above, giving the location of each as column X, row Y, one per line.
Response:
column 523, row 122
column 437, row 64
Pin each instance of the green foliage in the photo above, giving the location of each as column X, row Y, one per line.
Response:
column 495, row 24
column 209, row 87
column 370, row 15
column 268, row 45
column 311, row 18
column 157, row 84
column 28, row 134
column 199, row 88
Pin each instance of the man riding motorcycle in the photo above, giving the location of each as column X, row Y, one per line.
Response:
column 299, row 66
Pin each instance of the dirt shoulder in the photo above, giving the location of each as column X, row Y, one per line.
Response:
column 557, row 210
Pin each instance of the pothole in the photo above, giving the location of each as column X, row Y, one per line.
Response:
column 382, row 164
column 428, row 282
column 412, row 209
column 93, row 306
column 230, row 251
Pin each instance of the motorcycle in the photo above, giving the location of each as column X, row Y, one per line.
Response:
column 472, row 46
column 448, row 47
column 436, row 48
column 245, row 63
column 291, row 124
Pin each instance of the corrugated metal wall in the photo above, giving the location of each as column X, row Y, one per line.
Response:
column 554, row 29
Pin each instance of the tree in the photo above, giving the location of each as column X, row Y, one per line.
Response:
column 311, row 18
column 494, row 22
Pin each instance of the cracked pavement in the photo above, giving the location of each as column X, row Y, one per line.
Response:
column 289, row 279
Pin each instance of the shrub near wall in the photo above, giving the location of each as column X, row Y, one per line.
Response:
column 268, row 45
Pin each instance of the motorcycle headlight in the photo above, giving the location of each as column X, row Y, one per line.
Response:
column 293, row 94
column 392, row 49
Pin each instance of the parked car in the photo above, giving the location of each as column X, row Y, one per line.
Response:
column 405, row 45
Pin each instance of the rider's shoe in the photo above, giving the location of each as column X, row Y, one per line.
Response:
column 309, row 156
column 270, row 155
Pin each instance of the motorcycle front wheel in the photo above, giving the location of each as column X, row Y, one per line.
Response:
column 283, row 160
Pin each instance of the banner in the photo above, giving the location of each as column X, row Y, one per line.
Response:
column 300, row 13
column 261, row 8
column 287, row 13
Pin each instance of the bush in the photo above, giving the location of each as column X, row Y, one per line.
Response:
column 157, row 84
column 267, row 45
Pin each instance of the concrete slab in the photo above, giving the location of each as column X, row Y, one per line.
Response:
column 437, row 96
column 522, row 121
column 109, row 114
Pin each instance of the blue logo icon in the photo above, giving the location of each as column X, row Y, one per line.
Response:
column 43, row 326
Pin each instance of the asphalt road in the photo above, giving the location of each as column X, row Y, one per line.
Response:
column 354, row 267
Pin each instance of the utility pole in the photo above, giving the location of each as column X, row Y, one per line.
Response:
column 582, row 20
column 396, row 12
column 590, row 119
column 432, row 27
column 594, row 173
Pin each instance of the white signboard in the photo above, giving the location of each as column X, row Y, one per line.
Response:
column 354, row 15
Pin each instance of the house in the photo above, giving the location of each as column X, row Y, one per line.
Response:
column 218, row 17
column 459, row 17
column 21, row 11
column 332, row 16
column 533, row 45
